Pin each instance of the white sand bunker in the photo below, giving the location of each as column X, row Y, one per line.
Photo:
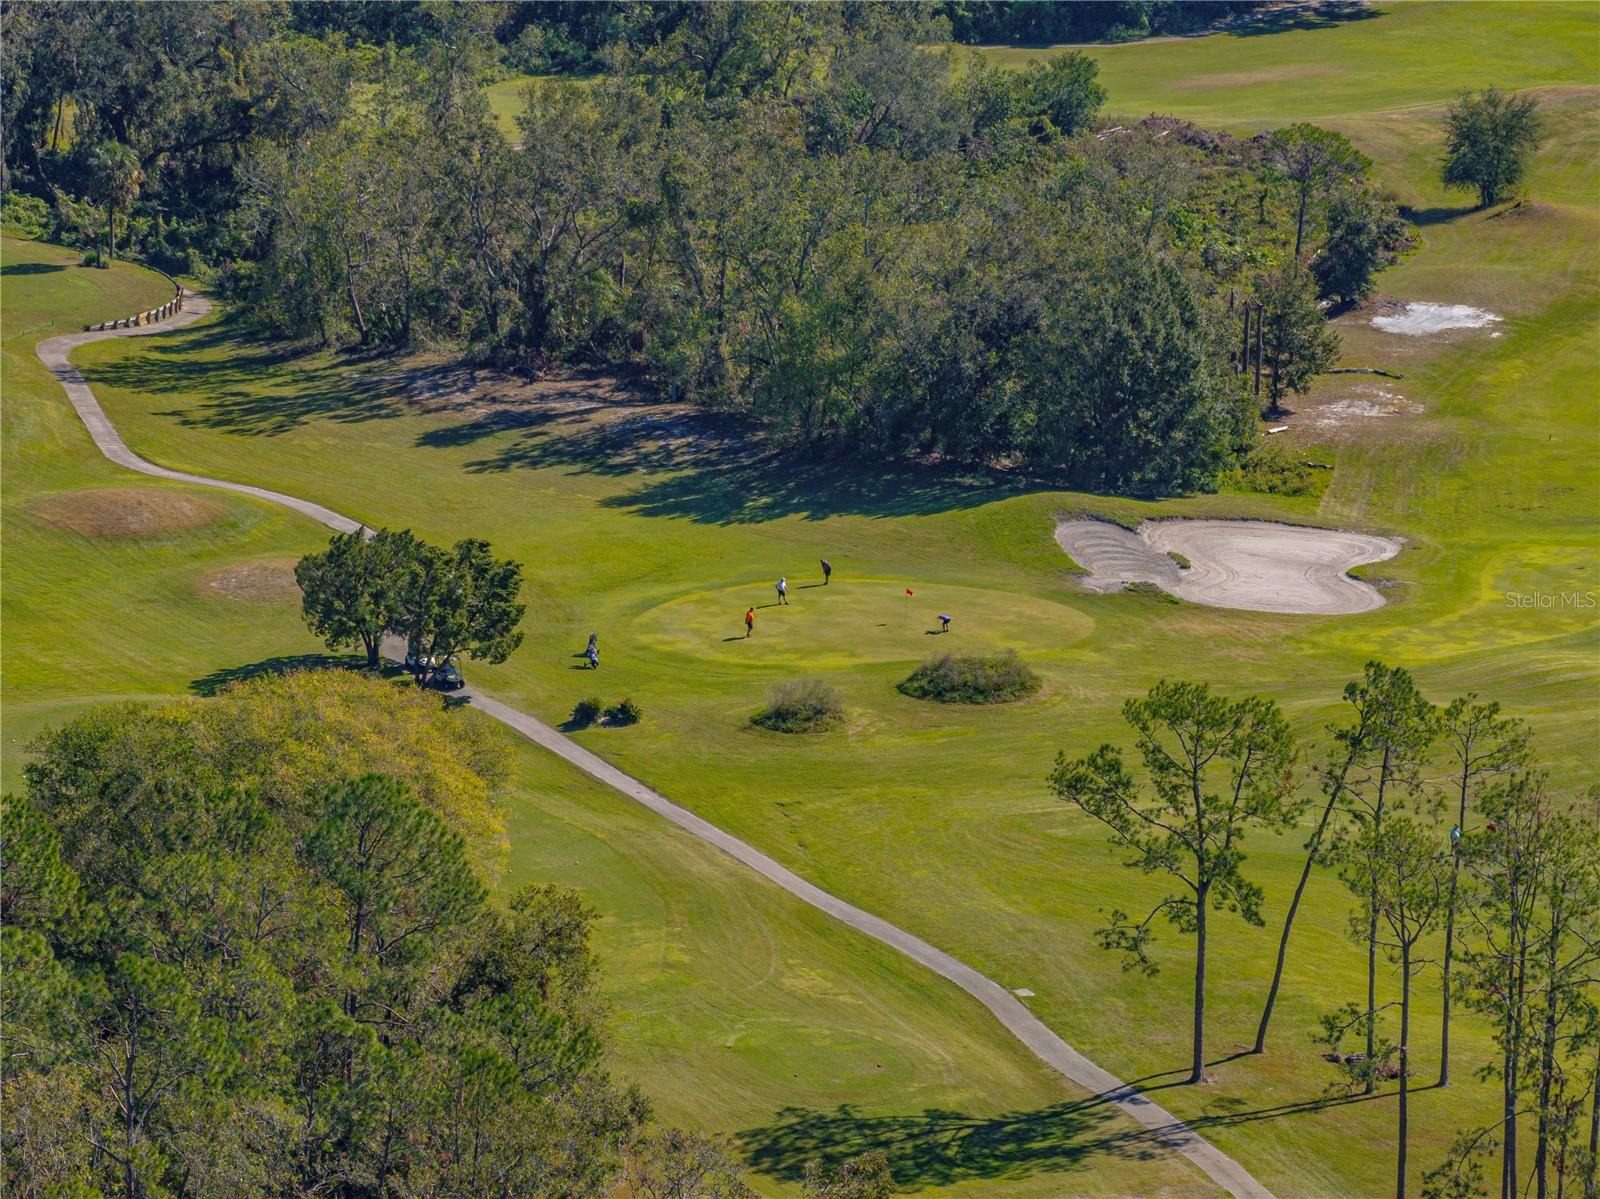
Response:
column 1420, row 319
column 1250, row 564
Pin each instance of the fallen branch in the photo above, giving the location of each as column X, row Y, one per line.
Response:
column 1364, row 370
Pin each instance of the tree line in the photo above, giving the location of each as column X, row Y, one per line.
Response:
column 809, row 214
column 1458, row 857
column 247, row 948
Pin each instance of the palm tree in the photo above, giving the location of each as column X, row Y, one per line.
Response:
column 118, row 175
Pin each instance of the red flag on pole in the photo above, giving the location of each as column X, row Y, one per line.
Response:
column 909, row 591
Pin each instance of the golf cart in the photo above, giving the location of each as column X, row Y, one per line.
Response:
column 446, row 674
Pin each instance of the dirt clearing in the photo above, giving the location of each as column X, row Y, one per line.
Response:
column 1253, row 565
column 128, row 512
column 269, row 581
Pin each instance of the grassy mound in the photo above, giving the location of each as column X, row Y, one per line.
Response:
column 127, row 512
column 949, row 679
column 800, row 706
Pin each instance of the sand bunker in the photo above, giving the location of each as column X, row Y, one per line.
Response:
column 124, row 512
column 260, row 582
column 1421, row 319
column 1250, row 564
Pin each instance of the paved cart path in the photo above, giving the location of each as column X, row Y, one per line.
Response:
column 1018, row 1020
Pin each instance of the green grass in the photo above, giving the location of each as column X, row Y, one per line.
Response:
column 736, row 1008
column 1385, row 56
column 739, row 1008
column 506, row 100
column 936, row 816
column 85, row 619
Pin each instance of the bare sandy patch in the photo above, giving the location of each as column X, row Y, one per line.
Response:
column 1419, row 318
column 268, row 581
column 128, row 512
column 1359, row 404
column 1256, row 566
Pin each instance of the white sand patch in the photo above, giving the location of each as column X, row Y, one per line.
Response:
column 1253, row 565
column 1420, row 319
column 1369, row 402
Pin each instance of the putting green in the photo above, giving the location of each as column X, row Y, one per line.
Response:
column 850, row 623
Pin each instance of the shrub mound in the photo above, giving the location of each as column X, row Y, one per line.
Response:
column 594, row 710
column 624, row 711
column 949, row 679
column 800, row 706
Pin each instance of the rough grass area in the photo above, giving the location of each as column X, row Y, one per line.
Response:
column 123, row 512
column 801, row 706
column 1274, row 470
column 251, row 582
column 952, row 679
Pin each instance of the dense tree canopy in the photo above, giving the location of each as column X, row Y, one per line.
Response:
column 351, row 592
column 823, row 216
column 237, row 963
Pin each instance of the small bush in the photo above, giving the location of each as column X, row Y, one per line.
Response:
column 624, row 711
column 1272, row 470
column 997, row 679
column 800, row 706
column 25, row 216
column 1154, row 592
column 586, row 711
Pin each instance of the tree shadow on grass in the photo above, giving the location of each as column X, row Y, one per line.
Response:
column 222, row 367
column 219, row 681
column 775, row 486
column 1438, row 215
column 941, row 1147
column 1328, row 14
column 30, row 268
column 715, row 469
column 710, row 468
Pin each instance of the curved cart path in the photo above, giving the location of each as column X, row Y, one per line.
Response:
column 1023, row 1024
